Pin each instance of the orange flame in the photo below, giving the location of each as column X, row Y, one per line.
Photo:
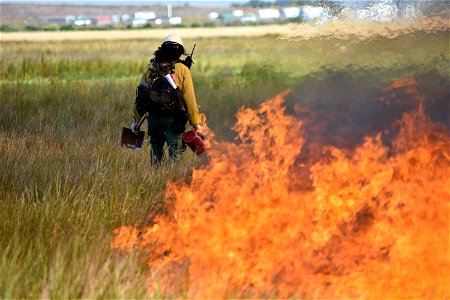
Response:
column 374, row 224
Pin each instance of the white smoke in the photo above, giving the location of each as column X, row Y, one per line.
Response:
column 390, row 10
column 384, row 11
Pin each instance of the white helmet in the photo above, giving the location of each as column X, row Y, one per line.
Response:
column 173, row 38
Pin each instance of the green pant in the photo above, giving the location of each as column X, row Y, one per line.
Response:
column 160, row 130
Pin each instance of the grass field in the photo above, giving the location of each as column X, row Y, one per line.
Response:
column 146, row 34
column 65, row 182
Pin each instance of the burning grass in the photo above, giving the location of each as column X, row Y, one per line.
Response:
column 374, row 223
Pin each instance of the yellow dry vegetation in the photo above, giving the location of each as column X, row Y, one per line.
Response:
column 146, row 34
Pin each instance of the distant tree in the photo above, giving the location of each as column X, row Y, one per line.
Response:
column 6, row 28
column 31, row 28
column 67, row 27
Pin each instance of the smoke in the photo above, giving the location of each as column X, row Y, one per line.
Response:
column 343, row 108
column 388, row 10
column 363, row 29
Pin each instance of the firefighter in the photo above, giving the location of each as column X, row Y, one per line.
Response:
column 161, row 126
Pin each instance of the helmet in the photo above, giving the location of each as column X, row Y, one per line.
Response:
column 173, row 42
column 170, row 50
column 172, row 39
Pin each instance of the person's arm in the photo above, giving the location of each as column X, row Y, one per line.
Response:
column 183, row 80
column 145, row 78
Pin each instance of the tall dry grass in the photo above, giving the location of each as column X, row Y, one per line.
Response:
column 66, row 184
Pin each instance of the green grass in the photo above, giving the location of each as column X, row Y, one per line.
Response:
column 65, row 182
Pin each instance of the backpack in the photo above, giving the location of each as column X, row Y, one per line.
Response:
column 159, row 98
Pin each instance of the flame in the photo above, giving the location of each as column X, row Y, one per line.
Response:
column 403, row 90
column 373, row 224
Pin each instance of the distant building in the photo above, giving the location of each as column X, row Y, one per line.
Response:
column 268, row 13
column 228, row 18
column 115, row 19
column 138, row 22
column 70, row 19
column 213, row 15
column 146, row 15
column 82, row 21
column 249, row 18
column 175, row 20
column 238, row 12
column 103, row 21
column 290, row 12
column 60, row 21
column 142, row 18
column 125, row 18
column 168, row 21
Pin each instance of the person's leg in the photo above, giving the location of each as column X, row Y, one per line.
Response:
column 157, row 139
column 174, row 141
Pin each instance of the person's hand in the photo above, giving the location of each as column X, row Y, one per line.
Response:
column 133, row 126
column 198, row 128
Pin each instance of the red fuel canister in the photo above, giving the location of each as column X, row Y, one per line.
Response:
column 194, row 141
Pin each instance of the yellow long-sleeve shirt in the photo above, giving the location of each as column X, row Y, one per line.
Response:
column 183, row 80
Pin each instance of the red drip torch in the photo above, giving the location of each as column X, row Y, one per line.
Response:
column 195, row 141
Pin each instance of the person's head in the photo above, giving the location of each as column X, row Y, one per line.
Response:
column 171, row 49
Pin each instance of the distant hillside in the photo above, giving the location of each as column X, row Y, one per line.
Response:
column 30, row 13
